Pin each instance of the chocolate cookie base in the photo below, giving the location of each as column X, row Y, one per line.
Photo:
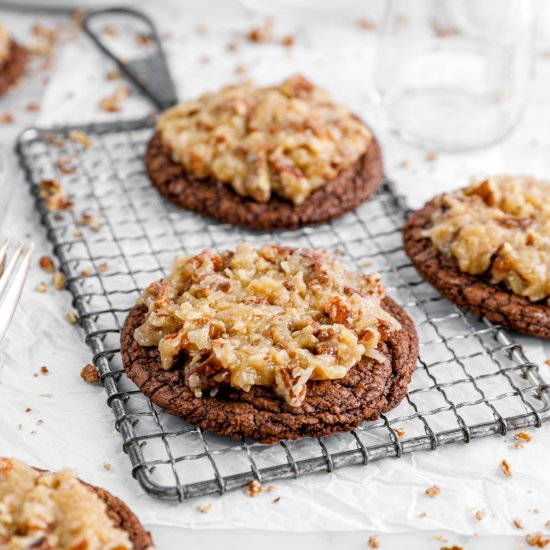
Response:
column 470, row 292
column 330, row 406
column 348, row 190
column 12, row 70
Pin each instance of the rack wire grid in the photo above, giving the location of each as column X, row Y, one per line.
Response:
column 472, row 380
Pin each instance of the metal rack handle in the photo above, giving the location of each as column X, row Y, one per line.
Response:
column 150, row 74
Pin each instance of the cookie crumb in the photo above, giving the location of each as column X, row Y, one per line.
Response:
column 399, row 432
column 71, row 317
column 254, row 488
column 276, row 500
column 28, row 409
column 44, row 370
column 81, row 138
column 204, row 508
column 261, row 34
column 433, row 491
column 431, row 155
column 506, row 470
column 480, row 514
column 102, row 267
column 373, row 542
column 41, row 287
column 46, row 263
column 523, row 436
column 55, row 198
column 107, row 466
column 59, row 280
column 89, row 374
column 537, row 540
column 113, row 103
column 367, row 24
column 288, row 41
column 518, row 524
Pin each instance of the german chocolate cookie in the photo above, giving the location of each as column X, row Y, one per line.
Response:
column 474, row 293
column 330, row 406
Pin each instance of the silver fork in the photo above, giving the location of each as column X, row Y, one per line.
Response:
column 12, row 278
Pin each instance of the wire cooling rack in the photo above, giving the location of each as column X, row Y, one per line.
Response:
column 472, row 380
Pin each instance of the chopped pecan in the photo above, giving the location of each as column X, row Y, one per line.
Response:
column 338, row 311
column 514, row 222
column 208, row 373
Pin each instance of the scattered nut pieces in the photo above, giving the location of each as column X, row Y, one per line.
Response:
column 33, row 107
column 537, row 540
column 518, row 524
column 524, row 436
column 112, row 104
column 28, row 409
column 46, row 263
column 6, row 118
column 66, row 166
column 276, row 500
column 44, row 370
column 89, row 374
column 109, row 30
column 59, row 280
column 55, row 140
column 288, row 41
column 453, row 547
column 431, row 155
column 261, row 34
column 102, row 267
column 373, row 542
column 480, row 514
column 254, row 488
column 113, row 74
column 107, row 466
column 433, row 491
column 55, row 198
column 505, row 467
column 399, row 432
column 269, row 489
column 81, row 138
column 39, row 422
column 86, row 272
column 547, row 362
column 71, row 317
column 41, row 287
column 367, row 24
column 144, row 40
column 43, row 40
column 204, row 508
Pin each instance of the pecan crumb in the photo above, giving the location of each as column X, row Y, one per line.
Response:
column 6, row 118
column 46, row 263
column 431, row 155
column 505, row 467
column 89, row 374
column 112, row 103
column 44, row 370
column 547, row 362
column 107, row 466
column 440, row 538
column 109, row 30
column 269, row 489
column 433, row 491
column 276, row 500
column 39, row 422
column 59, row 280
column 288, row 41
column 81, row 138
column 113, row 74
column 32, row 107
column 537, row 540
column 254, row 488
column 204, row 508
column 480, row 514
column 518, row 524
column 261, row 34
column 41, row 287
column 71, row 317
column 523, row 436
column 102, row 267
column 399, row 432
column 367, row 24
column 66, row 166
column 373, row 542
column 453, row 547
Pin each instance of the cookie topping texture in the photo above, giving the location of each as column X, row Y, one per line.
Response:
column 288, row 140
column 498, row 228
column 272, row 316
column 5, row 43
column 53, row 510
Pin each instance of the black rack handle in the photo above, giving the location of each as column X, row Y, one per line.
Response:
column 150, row 74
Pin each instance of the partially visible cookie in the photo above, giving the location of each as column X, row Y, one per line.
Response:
column 61, row 513
column 13, row 68
column 210, row 363
column 480, row 293
column 267, row 158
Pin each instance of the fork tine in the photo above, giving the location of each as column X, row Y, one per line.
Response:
column 11, row 297
column 3, row 251
column 10, row 268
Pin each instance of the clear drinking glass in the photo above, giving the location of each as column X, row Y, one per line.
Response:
column 453, row 74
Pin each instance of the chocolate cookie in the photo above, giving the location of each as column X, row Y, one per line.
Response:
column 12, row 70
column 348, row 190
column 470, row 292
column 330, row 406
